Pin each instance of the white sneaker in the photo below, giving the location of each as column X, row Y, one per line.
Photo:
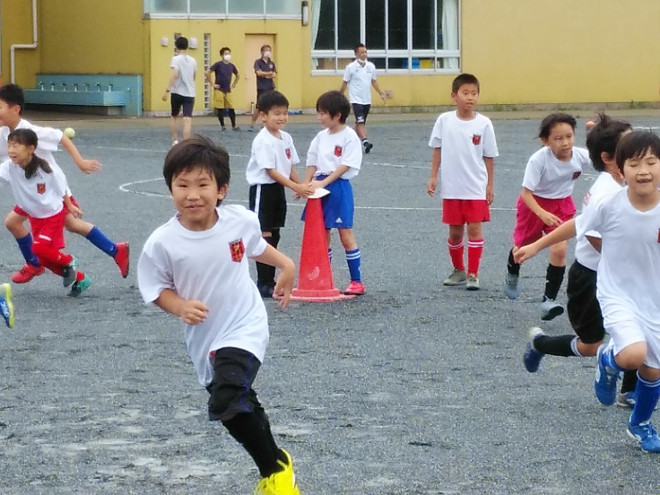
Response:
column 456, row 277
column 550, row 309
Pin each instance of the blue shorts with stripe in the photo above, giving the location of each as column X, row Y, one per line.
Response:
column 338, row 206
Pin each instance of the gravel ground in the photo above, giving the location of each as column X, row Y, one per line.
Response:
column 413, row 388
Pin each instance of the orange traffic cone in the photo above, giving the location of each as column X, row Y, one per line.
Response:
column 315, row 275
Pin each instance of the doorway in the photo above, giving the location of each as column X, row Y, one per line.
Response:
column 253, row 44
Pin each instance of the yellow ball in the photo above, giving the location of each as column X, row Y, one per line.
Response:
column 69, row 132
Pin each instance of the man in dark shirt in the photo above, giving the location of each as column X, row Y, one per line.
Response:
column 266, row 71
column 222, row 86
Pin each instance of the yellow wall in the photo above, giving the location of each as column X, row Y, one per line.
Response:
column 17, row 29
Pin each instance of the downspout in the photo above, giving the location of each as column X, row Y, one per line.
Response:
column 31, row 46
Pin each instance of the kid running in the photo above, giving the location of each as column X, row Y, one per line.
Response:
column 333, row 159
column 463, row 141
column 195, row 267
column 268, row 172
column 582, row 306
column 40, row 191
column 628, row 273
column 545, row 203
column 12, row 102
column 6, row 305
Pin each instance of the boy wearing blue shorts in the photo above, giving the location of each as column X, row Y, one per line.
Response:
column 463, row 140
column 333, row 159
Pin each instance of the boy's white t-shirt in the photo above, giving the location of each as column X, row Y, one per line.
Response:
column 629, row 267
column 328, row 151
column 269, row 152
column 550, row 178
column 48, row 141
column 210, row 266
column 359, row 78
column 602, row 189
column 185, row 83
column 40, row 196
column 463, row 144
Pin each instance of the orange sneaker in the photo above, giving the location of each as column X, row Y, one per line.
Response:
column 27, row 273
column 122, row 258
column 355, row 288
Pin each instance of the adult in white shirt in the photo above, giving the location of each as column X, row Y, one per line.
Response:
column 181, row 84
column 359, row 76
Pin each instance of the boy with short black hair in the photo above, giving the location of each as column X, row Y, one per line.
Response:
column 628, row 272
column 269, row 171
column 6, row 305
column 12, row 102
column 464, row 142
column 195, row 267
column 222, row 85
column 333, row 159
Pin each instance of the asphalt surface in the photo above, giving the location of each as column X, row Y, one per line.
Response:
column 413, row 388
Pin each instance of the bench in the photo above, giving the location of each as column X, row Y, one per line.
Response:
column 106, row 94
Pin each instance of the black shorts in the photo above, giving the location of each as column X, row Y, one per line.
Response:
column 261, row 92
column 582, row 307
column 268, row 201
column 234, row 371
column 361, row 112
column 187, row 102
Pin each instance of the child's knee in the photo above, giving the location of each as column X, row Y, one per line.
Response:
column 227, row 400
column 632, row 357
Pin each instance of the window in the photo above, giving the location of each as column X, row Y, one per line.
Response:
column 401, row 35
column 223, row 8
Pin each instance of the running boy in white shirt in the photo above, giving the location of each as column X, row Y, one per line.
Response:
column 195, row 267
column 333, row 159
column 40, row 191
column 269, row 171
column 546, row 202
column 6, row 305
column 12, row 101
column 628, row 274
column 463, row 141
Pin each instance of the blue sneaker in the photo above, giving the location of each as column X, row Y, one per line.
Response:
column 6, row 306
column 80, row 286
column 532, row 357
column 511, row 288
column 606, row 377
column 626, row 399
column 646, row 435
column 69, row 273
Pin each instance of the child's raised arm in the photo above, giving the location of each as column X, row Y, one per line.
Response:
column 562, row 233
column 86, row 166
column 284, row 284
column 190, row 311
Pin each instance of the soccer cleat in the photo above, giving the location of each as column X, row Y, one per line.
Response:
column 550, row 309
column 121, row 257
column 626, row 399
column 6, row 306
column 223, row 129
column 251, row 128
column 606, row 377
column 511, row 288
column 646, row 435
column 472, row 282
column 27, row 273
column 80, row 286
column 237, row 129
column 532, row 357
column 457, row 277
column 367, row 146
column 280, row 483
column 355, row 288
column 69, row 272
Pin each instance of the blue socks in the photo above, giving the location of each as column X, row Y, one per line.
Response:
column 25, row 245
column 646, row 398
column 608, row 358
column 99, row 239
column 353, row 260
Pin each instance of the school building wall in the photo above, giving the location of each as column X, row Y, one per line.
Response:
column 523, row 51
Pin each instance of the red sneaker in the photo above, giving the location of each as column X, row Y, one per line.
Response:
column 121, row 258
column 27, row 273
column 355, row 288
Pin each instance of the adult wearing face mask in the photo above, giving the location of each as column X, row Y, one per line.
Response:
column 266, row 71
column 224, row 70
column 359, row 76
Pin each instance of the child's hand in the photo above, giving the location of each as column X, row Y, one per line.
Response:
column 431, row 185
column 284, row 284
column 315, row 184
column 89, row 166
column 490, row 195
column 521, row 254
column 75, row 211
column 549, row 219
column 193, row 312
column 305, row 190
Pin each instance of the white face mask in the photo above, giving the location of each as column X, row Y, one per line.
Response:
column 227, row 58
column 362, row 62
column 266, row 54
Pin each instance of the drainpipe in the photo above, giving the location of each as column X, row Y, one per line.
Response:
column 31, row 46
